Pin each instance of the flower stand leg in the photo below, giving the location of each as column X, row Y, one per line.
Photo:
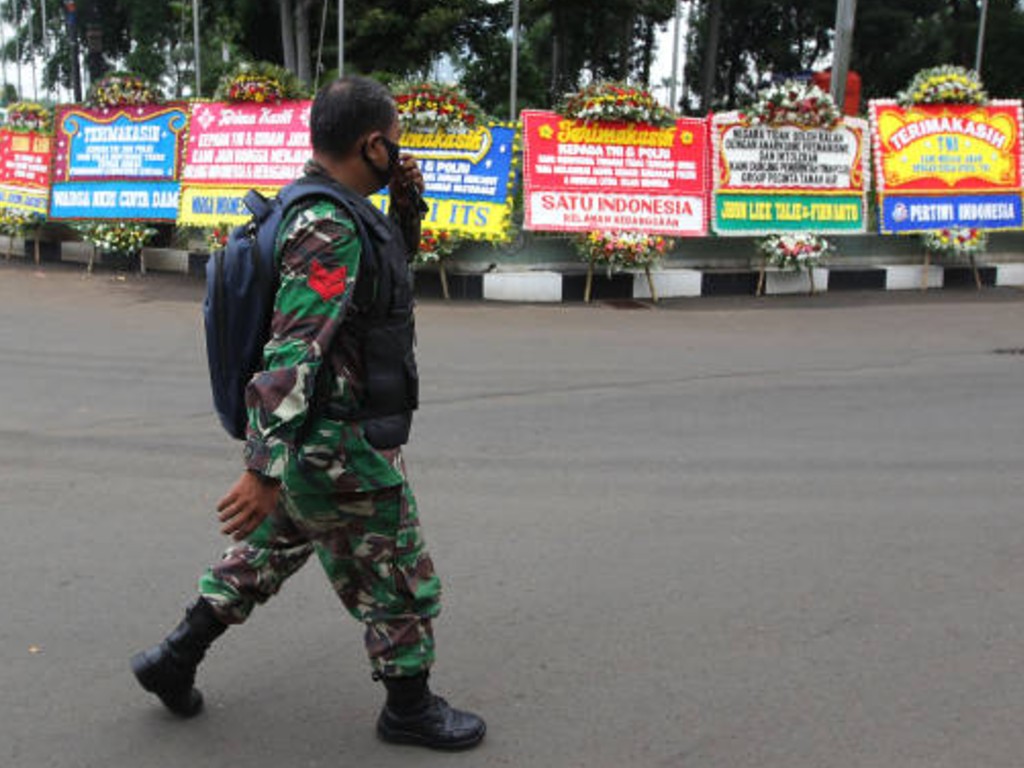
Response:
column 650, row 284
column 810, row 273
column 36, row 249
column 761, row 278
column 977, row 275
column 927, row 269
column 590, row 281
column 92, row 259
column 444, row 279
column 142, row 263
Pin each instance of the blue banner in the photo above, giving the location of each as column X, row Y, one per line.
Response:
column 131, row 200
column 477, row 170
column 127, row 146
column 911, row 213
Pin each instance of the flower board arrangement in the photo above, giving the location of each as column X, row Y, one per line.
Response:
column 794, row 252
column 28, row 116
column 804, row 105
column 612, row 102
column 426, row 107
column 121, row 89
column 944, row 85
column 259, row 83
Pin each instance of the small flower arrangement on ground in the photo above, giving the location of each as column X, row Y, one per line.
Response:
column 120, row 237
column 959, row 242
column 122, row 89
column 259, row 83
column 15, row 223
column 26, row 116
column 804, row 105
column 622, row 250
column 436, row 245
column 944, row 85
column 615, row 103
column 794, row 252
column 428, row 107
column 217, row 237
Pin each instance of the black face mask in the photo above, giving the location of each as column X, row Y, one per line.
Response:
column 384, row 176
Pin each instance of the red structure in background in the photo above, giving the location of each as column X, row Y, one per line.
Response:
column 852, row 104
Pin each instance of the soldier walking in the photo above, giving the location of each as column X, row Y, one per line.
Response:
column 327, row 417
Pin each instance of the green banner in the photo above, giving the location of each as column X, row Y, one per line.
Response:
column 764, row 213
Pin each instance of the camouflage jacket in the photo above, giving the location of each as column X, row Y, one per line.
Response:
column 319, row 251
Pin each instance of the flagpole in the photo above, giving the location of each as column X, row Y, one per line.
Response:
column 514, row 87
column 341, row 38
column 195, row 45
column 981, row 36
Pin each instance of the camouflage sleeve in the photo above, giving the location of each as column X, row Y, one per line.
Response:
column 319, row 260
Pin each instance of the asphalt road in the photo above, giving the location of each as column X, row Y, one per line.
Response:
column 750, row 533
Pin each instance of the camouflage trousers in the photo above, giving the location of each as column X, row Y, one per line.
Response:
column 372, row 550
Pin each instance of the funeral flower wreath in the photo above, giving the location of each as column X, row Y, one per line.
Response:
column 259, row 83
column 121, row 89
column 428, row 107
column 28, row 116
column 804, row 105
column 613, row 102
column 944, row 85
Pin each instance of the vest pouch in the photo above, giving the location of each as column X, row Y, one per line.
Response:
column 391, row 381
column 386, row 432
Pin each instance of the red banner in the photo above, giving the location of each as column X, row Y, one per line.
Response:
column 25, row 159
column 580, row 177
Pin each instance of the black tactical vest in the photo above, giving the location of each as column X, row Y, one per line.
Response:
column 383, row 323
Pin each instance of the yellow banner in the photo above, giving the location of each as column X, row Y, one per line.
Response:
column 210, row 206
column 478, row 220
column 948, row 146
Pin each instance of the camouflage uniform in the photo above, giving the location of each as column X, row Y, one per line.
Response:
column 341, row 498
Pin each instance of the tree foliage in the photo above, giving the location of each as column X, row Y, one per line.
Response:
column 762, row 39
column 563, row 43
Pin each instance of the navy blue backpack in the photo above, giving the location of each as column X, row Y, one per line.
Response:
column 241, row 283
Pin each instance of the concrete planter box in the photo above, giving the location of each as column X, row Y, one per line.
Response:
column 668, row 283
column 523, row 286
column 783, row 282
column 905, row 277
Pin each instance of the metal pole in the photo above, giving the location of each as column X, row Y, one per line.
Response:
column 17, row 47
column 514, row 87
column 981, row 36
column 673, row 93
column 3, row 58
column 846, row 11
column 195, row 44
column 341, row 38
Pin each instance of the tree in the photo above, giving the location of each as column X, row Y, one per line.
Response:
column 563, row 44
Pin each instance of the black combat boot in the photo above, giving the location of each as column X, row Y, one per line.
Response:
column 169, row 669
column 414, row 715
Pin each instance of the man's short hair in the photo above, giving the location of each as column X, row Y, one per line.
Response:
column 347, row 109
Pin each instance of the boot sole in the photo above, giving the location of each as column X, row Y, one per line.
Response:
column 409, row 739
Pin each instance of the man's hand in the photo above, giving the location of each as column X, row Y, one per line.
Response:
column 247, row 505
column 407, row 176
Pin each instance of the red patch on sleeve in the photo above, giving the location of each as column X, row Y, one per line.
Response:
column 328, row 283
